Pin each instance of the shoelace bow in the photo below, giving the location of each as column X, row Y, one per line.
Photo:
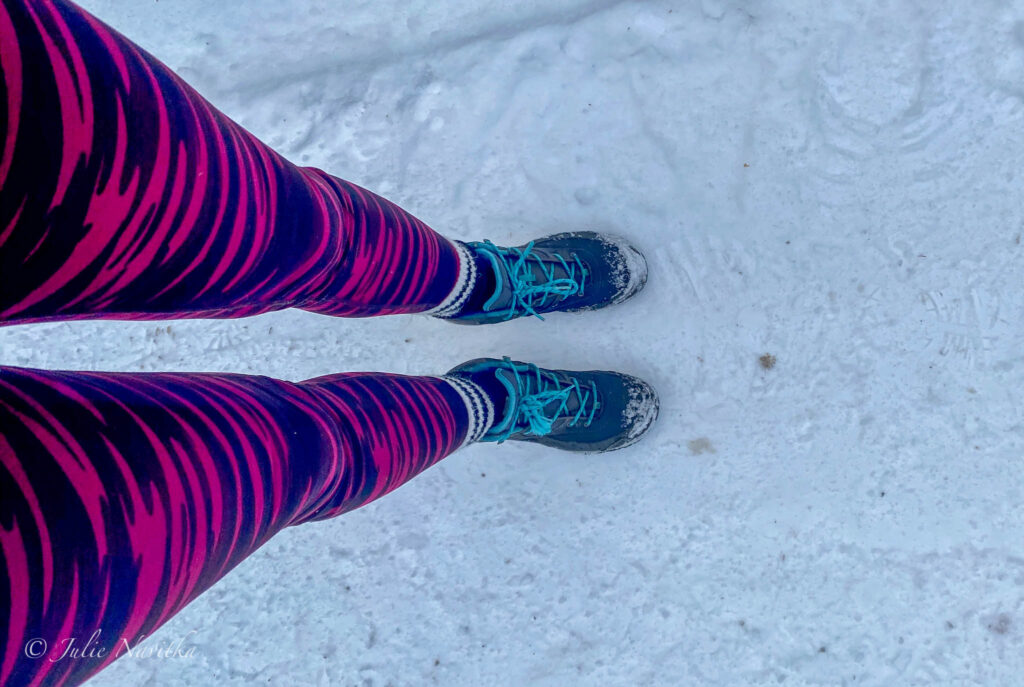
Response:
column 532, row 408
column 523, row 281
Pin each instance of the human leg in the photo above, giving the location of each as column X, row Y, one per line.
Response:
column 125, row 194
column 127, row 495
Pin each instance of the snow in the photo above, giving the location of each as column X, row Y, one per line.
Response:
column 630, row 271
column 834, row 184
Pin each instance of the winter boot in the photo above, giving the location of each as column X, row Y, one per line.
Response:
column 587, row 412
column 564, row 272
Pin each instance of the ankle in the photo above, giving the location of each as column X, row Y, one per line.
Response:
column 486, row 401
column 485, row 285
column 474, row 284
column 494, row 390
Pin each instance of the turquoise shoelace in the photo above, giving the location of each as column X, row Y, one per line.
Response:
column 524, row 283
column 533, row 407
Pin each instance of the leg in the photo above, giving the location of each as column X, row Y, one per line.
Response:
column 124, row 194
column 127, row 495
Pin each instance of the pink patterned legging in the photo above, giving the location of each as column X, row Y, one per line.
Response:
column 124, row 194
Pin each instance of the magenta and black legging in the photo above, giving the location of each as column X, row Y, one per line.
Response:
column 124, row 194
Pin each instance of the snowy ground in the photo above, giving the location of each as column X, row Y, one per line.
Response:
column 834, row 184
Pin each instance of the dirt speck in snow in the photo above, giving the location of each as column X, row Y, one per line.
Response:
column 999, row 624
column 700, row 445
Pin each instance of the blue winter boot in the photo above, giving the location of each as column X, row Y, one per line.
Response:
column 564, row 272
column 587, row 412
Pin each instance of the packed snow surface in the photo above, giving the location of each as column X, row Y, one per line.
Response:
column 832, row 186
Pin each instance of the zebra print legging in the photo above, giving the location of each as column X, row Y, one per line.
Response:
column 124, row 194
